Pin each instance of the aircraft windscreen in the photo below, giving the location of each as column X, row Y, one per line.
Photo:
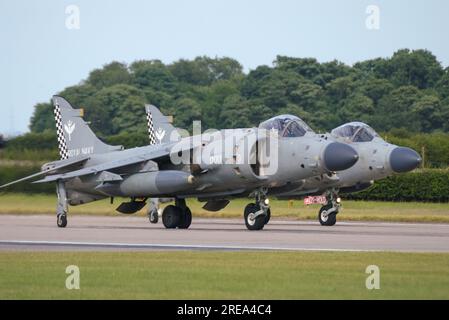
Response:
column 287, row 126
column 355, row 132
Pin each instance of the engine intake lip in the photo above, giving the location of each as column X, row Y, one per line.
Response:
column 338, row 156
column 404, row 159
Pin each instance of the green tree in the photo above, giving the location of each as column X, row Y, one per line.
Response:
column 340, row 88
column 357, row 107
column 307, row 94
column 443, row 84
column 375, row 88
column 418, row 68
column 115, row 109
column 409, row 90
column 79, row 95
column 186, row 111
column 43, row 118
column 153, row 74
column 309, row 68
column 204, row 71
column 110, row 74
column 428, row 110
column 234, row 114
column 395, row 110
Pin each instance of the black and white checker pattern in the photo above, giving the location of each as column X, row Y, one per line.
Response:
column 62, row 144
column 151, row 133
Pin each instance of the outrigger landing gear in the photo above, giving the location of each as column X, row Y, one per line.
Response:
column 62, row 208
column 258, row 214
column 153, row 210
column 177, row 216
column 328, row 212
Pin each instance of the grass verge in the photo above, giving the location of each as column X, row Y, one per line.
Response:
column 223, row 275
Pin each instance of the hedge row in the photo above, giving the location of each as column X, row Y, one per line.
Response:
column 10, row 173
column 430, row 185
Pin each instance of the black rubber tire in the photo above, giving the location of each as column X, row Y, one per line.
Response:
column 61, row 220
column 331, row 219
column 186, row 219
column 258, row 223
column 268, row 216
column 171, row 217
column 154, row 216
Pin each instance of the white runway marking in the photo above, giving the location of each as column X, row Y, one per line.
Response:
column 115, row 245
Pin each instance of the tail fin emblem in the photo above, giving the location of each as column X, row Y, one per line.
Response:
column 69, row 128
column 160, row 133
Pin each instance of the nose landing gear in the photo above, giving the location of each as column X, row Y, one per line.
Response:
column 328, row 212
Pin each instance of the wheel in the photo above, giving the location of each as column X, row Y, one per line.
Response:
column 186, row 219
column 328, row 220
column 154, row 216
column 61, row 220
column 268, row 216
column 253, row 224
column 171, row 217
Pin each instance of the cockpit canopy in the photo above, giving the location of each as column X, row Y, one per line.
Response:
column 355, row 132
column 286, row 125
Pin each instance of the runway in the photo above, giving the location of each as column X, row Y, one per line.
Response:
column 89, row 233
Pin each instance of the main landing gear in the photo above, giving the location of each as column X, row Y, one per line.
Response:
column 62, row 207
column 177, row 216
column 258, row 214
column 328, row 212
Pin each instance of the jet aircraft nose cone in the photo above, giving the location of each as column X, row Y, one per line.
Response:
column 339, row 156
column 404, row 159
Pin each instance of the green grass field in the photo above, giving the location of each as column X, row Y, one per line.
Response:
column 223, row 275
column 352, row 210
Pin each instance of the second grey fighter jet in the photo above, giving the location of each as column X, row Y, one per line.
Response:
column 378, row 159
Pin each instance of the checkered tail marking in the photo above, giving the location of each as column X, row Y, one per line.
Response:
column 62, row 144
column 151, row 133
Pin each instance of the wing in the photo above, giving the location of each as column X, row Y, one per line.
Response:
column 53, row 172
column 159, row 153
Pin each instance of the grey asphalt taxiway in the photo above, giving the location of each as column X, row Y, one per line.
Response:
column 92, row 233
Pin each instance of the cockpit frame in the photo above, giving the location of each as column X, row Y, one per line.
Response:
column 288, row 126
column 355, row 132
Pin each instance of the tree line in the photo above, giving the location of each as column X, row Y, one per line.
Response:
column 403, row 96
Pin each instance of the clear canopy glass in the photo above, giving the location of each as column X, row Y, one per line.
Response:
column 355, row 132
column 286, row 125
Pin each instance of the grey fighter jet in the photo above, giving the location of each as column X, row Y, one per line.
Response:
column 378, row 159
column 212, row 167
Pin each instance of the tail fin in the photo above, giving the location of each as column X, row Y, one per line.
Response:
column 160, row 129
column 74, row 135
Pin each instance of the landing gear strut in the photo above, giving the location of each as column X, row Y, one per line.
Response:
column 62, row 208
column 328, row 212
column 177, row 216
column 258, row 214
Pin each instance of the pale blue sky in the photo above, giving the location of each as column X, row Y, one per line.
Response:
column 40, row 56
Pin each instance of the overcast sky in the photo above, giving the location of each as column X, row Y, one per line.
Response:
column 43, row 51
